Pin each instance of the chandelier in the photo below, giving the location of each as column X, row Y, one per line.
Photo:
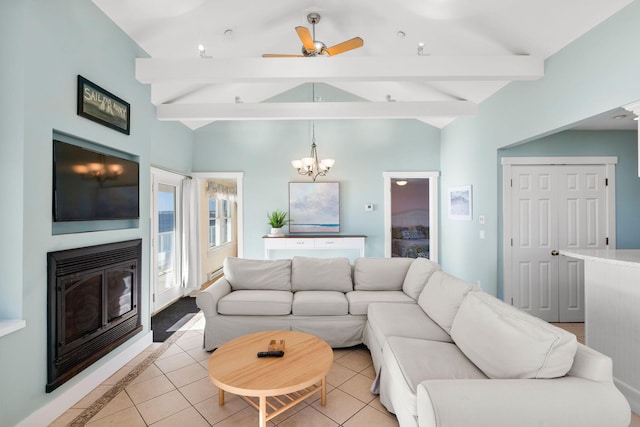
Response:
column 310, row 166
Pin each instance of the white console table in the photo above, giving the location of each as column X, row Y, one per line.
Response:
column 612, row 317
column 313, row 242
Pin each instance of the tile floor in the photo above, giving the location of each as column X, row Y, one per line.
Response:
column 167, row 385
column 175, row 390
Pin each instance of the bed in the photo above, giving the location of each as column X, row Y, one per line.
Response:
column 409, row 237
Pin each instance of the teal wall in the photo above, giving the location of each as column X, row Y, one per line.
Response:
column 11, row 158
column 596, row 73
column 47, row 45
column 363, row 150
column 620, row 144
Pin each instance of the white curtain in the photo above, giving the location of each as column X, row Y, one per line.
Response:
column 189, row 237
column 220, row 191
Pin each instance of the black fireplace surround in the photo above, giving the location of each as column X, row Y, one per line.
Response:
column 93, row 305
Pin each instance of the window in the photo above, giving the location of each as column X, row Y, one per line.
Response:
column 220, row 222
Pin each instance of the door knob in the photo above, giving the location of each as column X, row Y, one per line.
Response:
column 555, row 252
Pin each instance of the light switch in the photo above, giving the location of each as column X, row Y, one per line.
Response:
column 482, row 234
column 481, row 219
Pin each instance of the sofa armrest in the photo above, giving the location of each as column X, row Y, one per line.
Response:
column 592, row 365
column 207, row 300
column 567, row 401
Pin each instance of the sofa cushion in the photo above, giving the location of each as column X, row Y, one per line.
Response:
column 319, row 303
column 417, row 276
column 441, row 297
column 508, row 343
column 380, row 274
column 388, row 319
column 256, row 303
column 360, row 300
column 244, row 274
column 410, row 361
column 421, row 360
column 318, row 274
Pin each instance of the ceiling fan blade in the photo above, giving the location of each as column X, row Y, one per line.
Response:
column 354, row 43
column 305, row 38
column 280, row 55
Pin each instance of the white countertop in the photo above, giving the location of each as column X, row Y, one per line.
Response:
column 611, row 256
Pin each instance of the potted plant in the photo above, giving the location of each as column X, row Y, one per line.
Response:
column 277, row 220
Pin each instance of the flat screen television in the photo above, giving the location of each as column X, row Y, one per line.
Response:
column 89, row 185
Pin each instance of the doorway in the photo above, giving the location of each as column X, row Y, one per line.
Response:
column 552, row 204
column 411, row 214
column 219, row 204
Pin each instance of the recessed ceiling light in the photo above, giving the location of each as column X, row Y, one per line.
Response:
column 401, row 182
column 401, row 34
column 203, row 51
column 228, row 32
column 619, row 117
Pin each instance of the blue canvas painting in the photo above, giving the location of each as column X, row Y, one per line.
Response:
column 314, row 207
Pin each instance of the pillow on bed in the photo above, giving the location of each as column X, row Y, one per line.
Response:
column 412, row 233
column 397, row 232
column 424, row 231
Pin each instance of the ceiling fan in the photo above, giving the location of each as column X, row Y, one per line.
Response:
column 313, row 47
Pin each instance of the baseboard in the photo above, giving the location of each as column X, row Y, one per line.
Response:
column 56, row 407
column 632, row 395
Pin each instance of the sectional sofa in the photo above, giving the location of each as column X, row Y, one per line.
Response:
column 446, row 354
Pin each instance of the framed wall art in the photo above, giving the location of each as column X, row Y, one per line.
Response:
column 314, row 207
column 460, row 203
column 101, row 106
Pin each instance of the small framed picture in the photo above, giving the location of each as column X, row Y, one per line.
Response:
column 460, row 203
column 95, row 103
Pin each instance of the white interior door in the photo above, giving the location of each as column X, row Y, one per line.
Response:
column 166, row 239
column 535, row 236
column 582, row 225
column 553, row 207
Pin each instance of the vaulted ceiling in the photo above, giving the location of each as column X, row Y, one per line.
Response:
column 432, row 60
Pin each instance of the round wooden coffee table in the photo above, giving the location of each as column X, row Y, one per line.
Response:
column 272, row 384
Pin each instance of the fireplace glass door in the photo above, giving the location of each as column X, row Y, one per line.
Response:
column 82, row 306
column 119, row 292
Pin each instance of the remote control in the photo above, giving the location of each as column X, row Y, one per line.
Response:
column 279, row 353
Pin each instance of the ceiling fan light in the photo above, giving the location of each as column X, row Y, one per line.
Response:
column 313, row 47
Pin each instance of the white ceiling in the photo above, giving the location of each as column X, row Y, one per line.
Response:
column 472, row 48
